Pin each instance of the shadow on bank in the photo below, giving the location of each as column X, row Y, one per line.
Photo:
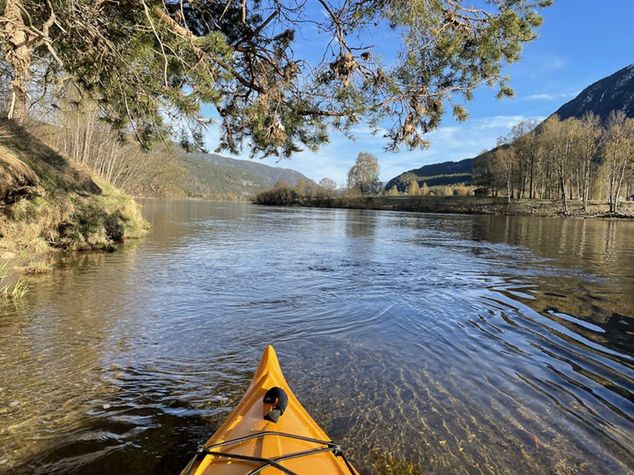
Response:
column 48, row 202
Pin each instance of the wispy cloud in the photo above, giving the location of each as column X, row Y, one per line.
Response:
column 500, row 121
column 550, row 96
column 546, row 64
column 554, row 63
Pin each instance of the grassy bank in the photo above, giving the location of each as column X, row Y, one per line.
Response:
column 48, row 203
column 447, row 204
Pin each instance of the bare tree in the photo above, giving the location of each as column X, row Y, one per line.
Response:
column 588, row 144
column 78, row 133
column 364, row 174
column 504, row 160
column 561, row 159
column 526, row 151
column 328, row 184
column 618, row 155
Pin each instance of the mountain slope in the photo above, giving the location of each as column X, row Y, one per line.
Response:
column 445, row 173
column 602, row 97
column 217, row 177
column 268, row 173
column 611, row 93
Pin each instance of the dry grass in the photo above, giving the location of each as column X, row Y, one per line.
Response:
column 55, row 204
column 11, row 290
column 35, row 268
column 438, row 190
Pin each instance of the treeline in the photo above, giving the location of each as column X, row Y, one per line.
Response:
column 412, row 187
column 573, row 159
column 77, row 132
column 324, row 194
column 362, row 180
column 303, row 193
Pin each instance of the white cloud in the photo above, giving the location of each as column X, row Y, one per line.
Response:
column 546, row 64
column 501, row 121
column 550, row 96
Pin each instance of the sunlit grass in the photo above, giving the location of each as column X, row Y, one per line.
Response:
column 11, row 290
column 64, row 207
column 36, row 268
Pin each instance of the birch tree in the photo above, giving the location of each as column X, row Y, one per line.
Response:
column 618, row 155
column 588, row 144
column 364, row 174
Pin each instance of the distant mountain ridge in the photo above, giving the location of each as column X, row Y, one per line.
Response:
column 270, row 173
column 445, row 173
column 610, row 93
column 210, row 175
column 614, row 92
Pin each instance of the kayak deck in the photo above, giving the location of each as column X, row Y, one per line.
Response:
column 247, row 443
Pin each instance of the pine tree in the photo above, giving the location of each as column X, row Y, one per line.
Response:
column 150, row 64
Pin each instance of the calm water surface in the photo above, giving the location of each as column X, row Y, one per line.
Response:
column 421, row 343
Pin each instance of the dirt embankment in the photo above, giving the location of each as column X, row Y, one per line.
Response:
column 49, row 203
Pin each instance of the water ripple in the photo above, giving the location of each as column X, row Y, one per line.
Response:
column 435, row 344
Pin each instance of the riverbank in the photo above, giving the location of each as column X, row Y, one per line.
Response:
column 461, row 205
column 48, row 203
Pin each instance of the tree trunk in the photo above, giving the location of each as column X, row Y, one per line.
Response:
column 509, row 192
column 611, row 188
column 87, row 138
column 562, row 186
column 585, row 188
column 530, row 187
column 18, row 55
column 619, row 184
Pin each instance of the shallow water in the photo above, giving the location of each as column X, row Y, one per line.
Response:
column 421, row 343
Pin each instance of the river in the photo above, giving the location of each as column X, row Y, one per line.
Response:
column 421, row 343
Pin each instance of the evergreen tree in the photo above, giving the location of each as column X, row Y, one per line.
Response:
column 150, row 64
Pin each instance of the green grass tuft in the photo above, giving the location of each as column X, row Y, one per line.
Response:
column 47, row 202
column 11, row 290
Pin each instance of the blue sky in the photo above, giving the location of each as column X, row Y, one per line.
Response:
column 580, row 42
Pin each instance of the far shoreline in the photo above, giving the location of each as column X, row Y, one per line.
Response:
column 499, row 206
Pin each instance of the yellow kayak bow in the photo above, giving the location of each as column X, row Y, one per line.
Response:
column 269, row 433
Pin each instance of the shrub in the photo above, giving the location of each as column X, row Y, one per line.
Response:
column 279, row 196
column 393, row 191
column 462, row 190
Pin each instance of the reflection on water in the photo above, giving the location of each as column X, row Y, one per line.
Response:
column 422, row 343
